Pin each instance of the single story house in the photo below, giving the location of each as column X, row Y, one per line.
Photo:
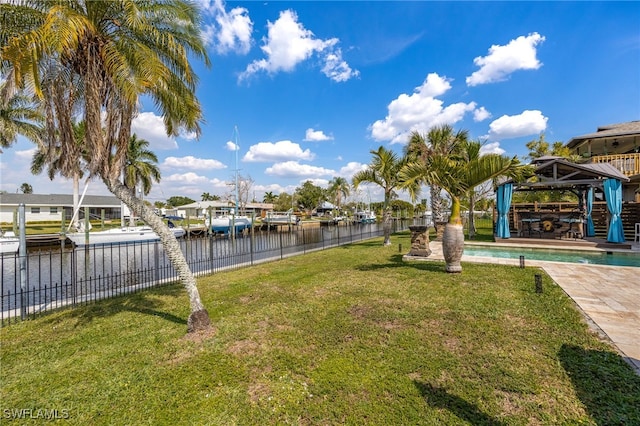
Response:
column 52, row 207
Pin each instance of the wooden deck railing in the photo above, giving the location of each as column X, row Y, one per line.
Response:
column 628, row 164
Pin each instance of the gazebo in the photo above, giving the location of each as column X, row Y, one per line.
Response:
column 587, row 181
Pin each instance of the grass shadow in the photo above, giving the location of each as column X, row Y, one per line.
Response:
column 606, row 385
column 439, row 397
column 142, row 302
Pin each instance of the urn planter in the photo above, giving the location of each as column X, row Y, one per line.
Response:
column 452, row 247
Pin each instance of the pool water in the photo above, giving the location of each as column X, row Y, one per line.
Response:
column 573, row 256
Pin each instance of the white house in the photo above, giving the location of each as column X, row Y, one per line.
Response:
column 51, row 207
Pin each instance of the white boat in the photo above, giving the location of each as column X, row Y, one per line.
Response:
column 224, row 223
column 9, row 243
column 281, row 218
column 365, row 216
column 127, row 234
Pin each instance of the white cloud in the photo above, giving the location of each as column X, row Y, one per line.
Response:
column 231, row 31
column 351, row 169
column 491, row 148
column 527, row 123
column 336, row 68
column 519, row 54
column 295, row 169
column 193, row 163
column 312, row 135
column 150, row 127
column 288, row 43
column 26, row 155
column 419, row 111
column 279, row 151
column 231, row 146
column 188, row 178
column 481, row 114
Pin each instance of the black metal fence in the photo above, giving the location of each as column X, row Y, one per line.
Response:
column 68, row 276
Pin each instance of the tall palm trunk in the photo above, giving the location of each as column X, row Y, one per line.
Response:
column 199, row 317
column 436, row 203
column 386, row 226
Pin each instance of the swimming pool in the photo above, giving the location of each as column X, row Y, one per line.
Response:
column 570, row 256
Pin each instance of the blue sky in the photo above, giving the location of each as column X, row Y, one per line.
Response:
column 313, row 87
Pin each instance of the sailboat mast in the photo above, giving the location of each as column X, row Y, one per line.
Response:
column 236, row 149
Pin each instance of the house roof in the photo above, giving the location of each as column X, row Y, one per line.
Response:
column 560, row 169
column 628, row 129
column 57, row 200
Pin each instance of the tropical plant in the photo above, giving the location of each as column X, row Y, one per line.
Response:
column 384, row 171
column 269, row 197
column 338, row 189
column 439, row 141
column 457, row 173
column 208, row 197
column 26, row 188
column 68, row 160
column 109, row 53
column 140, row 165
column 18, row 116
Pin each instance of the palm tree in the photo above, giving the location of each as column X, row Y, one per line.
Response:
column 17, row 116
column 109, row 53
column 338, row 188
column 384, row 172
column 25, row 188
column 269, row 197
column 67, row 160
column 140, row 167
column 439, row 140
column 458, row 172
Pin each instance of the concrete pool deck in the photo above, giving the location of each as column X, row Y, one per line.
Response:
column 609, row 296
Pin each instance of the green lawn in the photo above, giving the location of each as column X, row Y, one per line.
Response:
column 350, row 335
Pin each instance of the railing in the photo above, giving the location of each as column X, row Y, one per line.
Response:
column 68, row 276
column 628, row 164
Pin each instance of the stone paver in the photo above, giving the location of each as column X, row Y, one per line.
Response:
column 609, row 296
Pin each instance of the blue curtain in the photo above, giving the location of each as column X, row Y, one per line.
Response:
column 503, row 203
column 613, row 194
column 591, row 230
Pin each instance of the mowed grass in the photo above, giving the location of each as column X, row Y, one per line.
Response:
column 350, row 335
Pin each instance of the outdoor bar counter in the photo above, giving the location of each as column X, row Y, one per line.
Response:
column 550, row 224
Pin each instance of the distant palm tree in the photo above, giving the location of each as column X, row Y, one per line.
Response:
column 384, row 172
column 338, row 188
column 208, row 197
column 68, row 160
column 25, row 188
column 269, row 197
column 140, row 165
column 109, row 54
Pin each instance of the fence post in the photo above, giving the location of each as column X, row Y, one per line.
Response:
column 281, row 248
column 22, row 253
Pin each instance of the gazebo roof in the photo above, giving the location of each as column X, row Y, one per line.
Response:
column 558, row 173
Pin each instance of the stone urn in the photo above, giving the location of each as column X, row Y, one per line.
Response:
column 419, row 241
column 452, row 247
